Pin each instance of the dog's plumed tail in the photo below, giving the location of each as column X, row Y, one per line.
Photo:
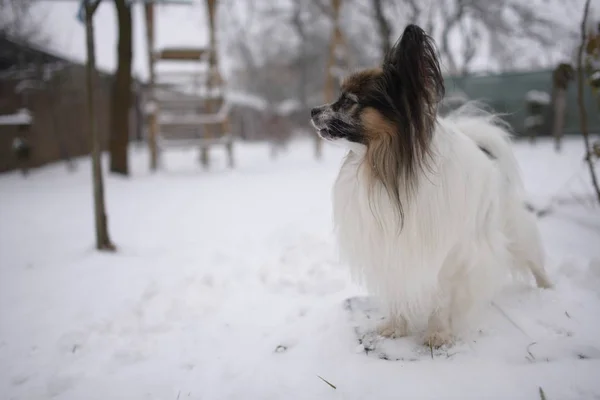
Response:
column 493, row 136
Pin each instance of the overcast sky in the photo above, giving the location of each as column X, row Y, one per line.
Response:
column 176, row 25
column 180, row 25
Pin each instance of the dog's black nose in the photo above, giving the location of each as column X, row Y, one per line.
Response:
column 314, row 111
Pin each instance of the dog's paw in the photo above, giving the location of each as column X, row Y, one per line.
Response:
column 438, row 339
column 544, row 283
column 393, row 328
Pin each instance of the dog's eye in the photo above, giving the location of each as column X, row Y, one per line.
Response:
column 349, row 99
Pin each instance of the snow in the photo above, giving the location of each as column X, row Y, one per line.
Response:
column 532, row 121
column 196, row 118
column 226, row 285
column 537, row 96
column 247, row 99
column 283, row 108
column 288, row 107
column 21, row 117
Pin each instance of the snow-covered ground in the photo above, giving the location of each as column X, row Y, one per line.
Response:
column 226, row 286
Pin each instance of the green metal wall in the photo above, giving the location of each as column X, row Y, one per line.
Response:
column 505, row 93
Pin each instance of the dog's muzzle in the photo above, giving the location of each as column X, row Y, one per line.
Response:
column 317, row 121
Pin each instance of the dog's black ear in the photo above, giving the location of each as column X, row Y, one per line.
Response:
column 412, row 86
column 413, row 77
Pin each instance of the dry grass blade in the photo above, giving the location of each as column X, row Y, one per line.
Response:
column 529, row 351
column 513, row 323
column 431, row 349
column 542, row 394
column 327, row 382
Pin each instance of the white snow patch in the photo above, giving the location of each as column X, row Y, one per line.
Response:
column 247, row 99
column 533, row 121
column 21, row 117
column 537, row 96
column 226, row 285
column 288, row 106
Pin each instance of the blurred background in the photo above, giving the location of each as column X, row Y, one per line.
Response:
column 276, row 60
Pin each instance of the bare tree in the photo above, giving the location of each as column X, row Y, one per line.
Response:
column 14, row 16
column 504, row 31
column 383, row 26
column 121, row 92
column 561, row 77
column 589, row 153
column 299, row 28
column 103, row 241
column 281, row 58
column 292, row 39
column 514, row 27
column 452, row 16
column 471, row 37
column 464, row 29
column 17, row 22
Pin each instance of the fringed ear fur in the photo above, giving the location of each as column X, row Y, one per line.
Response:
column 413, row 85
column 413, row 63
column 414, row 82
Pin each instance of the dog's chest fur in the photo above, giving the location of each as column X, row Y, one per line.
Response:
column 403, row 260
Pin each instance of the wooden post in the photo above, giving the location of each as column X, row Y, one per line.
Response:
column 212, row 56
column 561, row 77
column 153, row 118
column 212, row 5
column 121, row 95
column 214, row 80
column 102, row 238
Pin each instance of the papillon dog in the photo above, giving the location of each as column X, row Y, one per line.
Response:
column 428, row 210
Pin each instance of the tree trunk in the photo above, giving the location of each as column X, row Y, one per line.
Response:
column 102, row 239
column 582, row 111
column 560, row 109
column 383, row 26
column 451, row 20
column 300, row 29
column 152, row 118
column 121, row 92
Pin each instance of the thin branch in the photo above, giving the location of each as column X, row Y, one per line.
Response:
column 383, row 25
column 582, row 111
column 452, row 19
column 471, row 37
column 325, row 8
column 94, row 7
column 415, row 10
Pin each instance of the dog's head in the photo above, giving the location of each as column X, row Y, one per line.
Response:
column 389, row 112
column 397, row 99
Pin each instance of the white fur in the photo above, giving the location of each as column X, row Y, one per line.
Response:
column 465, row 229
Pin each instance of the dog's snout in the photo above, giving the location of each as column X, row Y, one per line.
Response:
column 315, row 111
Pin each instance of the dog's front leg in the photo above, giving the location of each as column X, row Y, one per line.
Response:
column 439, row 331
column 393, row 327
